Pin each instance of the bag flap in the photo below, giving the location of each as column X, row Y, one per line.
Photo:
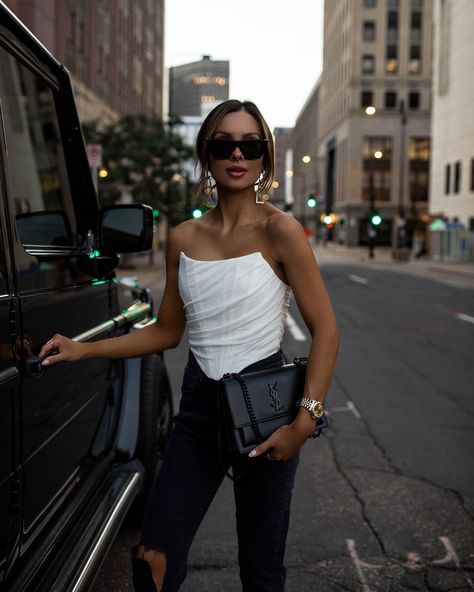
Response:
column 273, row 392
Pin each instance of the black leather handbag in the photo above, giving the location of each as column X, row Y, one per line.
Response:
column 254, row 405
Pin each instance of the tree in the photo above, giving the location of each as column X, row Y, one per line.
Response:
column 146, row 156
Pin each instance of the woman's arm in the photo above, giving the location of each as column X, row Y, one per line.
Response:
column 165, row 333
column 292, row 248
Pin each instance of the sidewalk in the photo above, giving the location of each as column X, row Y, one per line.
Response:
column 333, row 254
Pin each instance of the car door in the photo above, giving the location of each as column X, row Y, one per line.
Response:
column 9, row 425
column 49, row 214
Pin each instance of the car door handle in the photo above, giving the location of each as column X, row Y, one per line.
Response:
column 33, row 367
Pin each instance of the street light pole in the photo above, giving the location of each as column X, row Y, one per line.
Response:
column 403, row 122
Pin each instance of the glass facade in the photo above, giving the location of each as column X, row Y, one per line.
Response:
column 418, row 168
column 376, row 168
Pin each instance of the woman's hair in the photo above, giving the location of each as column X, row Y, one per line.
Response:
column 209, row 127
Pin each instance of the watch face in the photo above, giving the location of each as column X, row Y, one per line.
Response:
column 317, row 409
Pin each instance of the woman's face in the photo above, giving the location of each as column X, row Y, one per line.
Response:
column 235, row 172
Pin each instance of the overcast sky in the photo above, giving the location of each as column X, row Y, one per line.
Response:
column 274, row 47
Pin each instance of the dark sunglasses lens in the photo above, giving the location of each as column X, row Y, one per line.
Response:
column 223, row 149
column 252, row 149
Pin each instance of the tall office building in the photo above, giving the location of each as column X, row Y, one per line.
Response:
column 283, row 138
column 194, row 89
column 113, row 50
column 307, row 172
column 452, row 171
column 377, row 53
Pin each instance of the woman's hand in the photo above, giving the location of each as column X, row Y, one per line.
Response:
column 287, row 440
column 61, row 349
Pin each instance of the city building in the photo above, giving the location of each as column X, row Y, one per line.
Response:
column 280, row 196
column 307, row 166
column 113, row 50
column 452, row 128
column 195, row 88
column 377, row 55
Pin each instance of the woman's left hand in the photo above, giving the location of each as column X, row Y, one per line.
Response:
column 287, row 440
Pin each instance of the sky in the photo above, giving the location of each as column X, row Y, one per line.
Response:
column 274, row 48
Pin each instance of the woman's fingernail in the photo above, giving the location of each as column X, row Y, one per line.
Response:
column 45, row 363
column 253, row 453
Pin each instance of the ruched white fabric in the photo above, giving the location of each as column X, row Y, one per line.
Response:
column 235, row 311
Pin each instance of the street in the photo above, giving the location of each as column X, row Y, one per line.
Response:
column 384, row 500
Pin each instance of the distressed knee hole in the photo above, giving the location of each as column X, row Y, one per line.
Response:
column 157, row 562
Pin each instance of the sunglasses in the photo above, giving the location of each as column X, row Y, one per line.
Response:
column 223, row 149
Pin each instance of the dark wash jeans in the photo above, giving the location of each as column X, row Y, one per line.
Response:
column 190, row 476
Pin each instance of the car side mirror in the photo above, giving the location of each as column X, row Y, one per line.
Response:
column 125, row 228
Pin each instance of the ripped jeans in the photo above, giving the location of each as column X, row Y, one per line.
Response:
column 190, row 476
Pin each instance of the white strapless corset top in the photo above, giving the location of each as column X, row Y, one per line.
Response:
column 235, row 311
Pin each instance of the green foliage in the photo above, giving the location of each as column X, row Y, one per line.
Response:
column 147, row 156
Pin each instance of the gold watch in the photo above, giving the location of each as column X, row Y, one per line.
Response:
column 316, row 408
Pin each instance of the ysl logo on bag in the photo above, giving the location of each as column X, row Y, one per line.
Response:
column 273, row 392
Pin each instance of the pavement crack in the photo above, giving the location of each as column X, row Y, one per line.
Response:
column 357, row 496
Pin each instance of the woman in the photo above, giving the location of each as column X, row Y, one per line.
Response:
column 228, row 278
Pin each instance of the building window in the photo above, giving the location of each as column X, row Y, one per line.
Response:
column 472, row 175
column 390, row 99
column 419, row 161
column 392, row 3
column 447, row 179
column 457, row 176
column 416, row 4
column 414, row 64
column 368, row 64
column 370, row 3
column 366, row 98
column 377, row 165
column 391, row 64
column 392, row 19
column 414, row 100
column 368, row 31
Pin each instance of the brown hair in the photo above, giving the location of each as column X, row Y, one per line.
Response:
column 210, row 125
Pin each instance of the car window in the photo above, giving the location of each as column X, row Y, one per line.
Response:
column 39, row 179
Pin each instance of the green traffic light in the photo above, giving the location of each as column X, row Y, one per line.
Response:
column 197, row 213
column 311, row 202
column 376, row 219
column 156, row 213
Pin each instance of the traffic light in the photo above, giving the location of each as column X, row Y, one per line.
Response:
column 311, row 201
column 328, row 220
column 376, row 219
column 197, row 213
column 156, row 213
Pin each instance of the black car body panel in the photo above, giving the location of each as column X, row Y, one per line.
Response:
column 68, row 433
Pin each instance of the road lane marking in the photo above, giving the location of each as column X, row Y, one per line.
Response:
column 295, row 331
column 359, row 564
column 349, row 406
column 358, row 279
column 465, row 317
column 451, row 555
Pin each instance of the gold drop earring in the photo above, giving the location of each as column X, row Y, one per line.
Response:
column 258, row 191
column 209, row 192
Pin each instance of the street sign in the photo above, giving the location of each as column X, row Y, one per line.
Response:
column 94, row 155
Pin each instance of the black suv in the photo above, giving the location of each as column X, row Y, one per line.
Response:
column 78, row 441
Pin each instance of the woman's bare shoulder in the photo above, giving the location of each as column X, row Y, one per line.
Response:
column 280, row 224
column 179, row 237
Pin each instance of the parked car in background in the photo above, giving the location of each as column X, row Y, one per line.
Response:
column 79, row 442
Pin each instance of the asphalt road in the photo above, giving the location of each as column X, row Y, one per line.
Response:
column 384, row 501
